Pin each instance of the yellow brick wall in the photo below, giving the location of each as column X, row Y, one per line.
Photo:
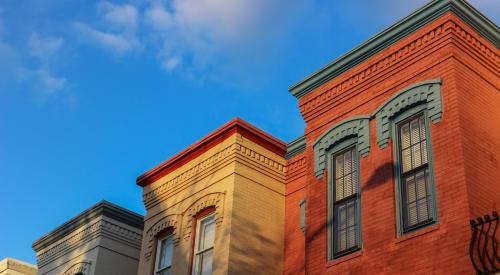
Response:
column 246, row 184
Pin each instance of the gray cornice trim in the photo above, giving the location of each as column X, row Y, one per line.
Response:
column 357, row 126
column 103, row 208
column 396, row 32
column 295, row 147
column 426, row 92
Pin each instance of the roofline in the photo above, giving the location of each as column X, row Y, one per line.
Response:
column 296, row 147
column 102, row 208
column 236, row 125
column 399, row 30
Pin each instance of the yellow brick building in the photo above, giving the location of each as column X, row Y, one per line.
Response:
column 217, row 206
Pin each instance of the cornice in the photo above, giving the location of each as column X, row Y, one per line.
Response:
column 236, row 125
column 103, row 208
column 296, row 168
column 295, row 147
column 196, row 172
column 16, row 265
column 210, row 165
column 372, row 72
column 93, row 230
column 395, row 33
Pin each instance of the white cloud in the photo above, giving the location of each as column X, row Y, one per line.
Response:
column 215, row 33
column 158, row 17
column 50, row 83
column 119, row 43
column 122, row 16
column 118, row 31
column 44, row 48
column 171, row 63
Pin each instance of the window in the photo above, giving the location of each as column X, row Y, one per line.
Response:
column 204, row 245
column 345, row 197
column 164, row 249
column 416, row 190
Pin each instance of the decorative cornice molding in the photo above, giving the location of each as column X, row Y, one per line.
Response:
column 236, row 125
column 358, row 127
column 425, row 92
column 215, row 200
column 206, row 166
column 295, row 147
column 296, row 166
column 82, row 267
column 103, row 208
column 395, row 33
column 172, row 222
column 261, row 159
column 374, row 69
column 16, row 265
column 152, row 197
column 88, row 233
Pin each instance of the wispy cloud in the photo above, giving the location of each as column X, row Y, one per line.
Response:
column 32, row 66
column 44, row 47
column 213, row 34
column 120, row 16
column 118, row 30
column 117, row 43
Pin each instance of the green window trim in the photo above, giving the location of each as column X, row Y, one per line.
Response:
column 426, row 92
column 357, row 127
column 333, row 151
column 395, row 122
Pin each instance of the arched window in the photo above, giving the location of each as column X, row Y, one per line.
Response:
column 337, row 151
column 405, row 117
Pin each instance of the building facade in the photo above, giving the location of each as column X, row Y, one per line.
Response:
column 218, row 207
column 9, row 266
column 400, row 151
column 103, row 240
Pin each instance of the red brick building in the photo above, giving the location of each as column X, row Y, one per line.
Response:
column 400, row 151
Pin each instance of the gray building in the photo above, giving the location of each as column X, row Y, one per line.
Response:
column 103, row 240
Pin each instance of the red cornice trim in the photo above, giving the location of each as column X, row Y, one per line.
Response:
column 236, row 125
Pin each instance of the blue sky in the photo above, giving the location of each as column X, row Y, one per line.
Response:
column 94, row 93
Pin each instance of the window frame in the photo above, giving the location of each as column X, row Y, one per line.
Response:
column 337, row 149
column 168, row 234
column 404, row 117
column 203, row 215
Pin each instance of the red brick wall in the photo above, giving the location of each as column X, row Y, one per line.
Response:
column 435, row 51
column 294, row 237
column 479, row 104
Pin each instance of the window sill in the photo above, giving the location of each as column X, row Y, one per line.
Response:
column 344, row 258
column 417, row 233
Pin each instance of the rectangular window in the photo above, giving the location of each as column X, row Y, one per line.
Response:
column 345, row 202
column 164, row 251
column 414, row 175
column 204, row 245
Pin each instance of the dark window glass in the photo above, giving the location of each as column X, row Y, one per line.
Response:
column 416, row 194
column 345, row 202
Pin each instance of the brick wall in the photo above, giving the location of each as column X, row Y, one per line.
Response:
column 465, row 183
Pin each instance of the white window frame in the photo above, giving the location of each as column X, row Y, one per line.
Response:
column 167, row 238
column 196, row 252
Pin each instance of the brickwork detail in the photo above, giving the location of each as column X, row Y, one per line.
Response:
column 211, row 200
column 169, row 222
column 358, row 127
column 95, row 229
column 79, row 268
column 425, row 92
